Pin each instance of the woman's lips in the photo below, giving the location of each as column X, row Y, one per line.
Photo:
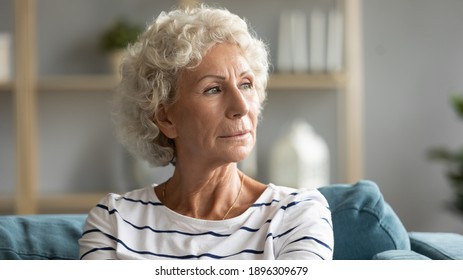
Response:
column 238, row 134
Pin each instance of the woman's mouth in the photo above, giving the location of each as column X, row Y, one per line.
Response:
column 236, row 135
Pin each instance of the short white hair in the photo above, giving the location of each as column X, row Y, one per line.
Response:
column 150, row 70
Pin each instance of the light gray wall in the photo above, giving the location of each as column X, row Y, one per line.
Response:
column 413, row 51
column 413, row 60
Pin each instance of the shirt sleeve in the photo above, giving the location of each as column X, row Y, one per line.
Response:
column 98, row 239
column 308, row 230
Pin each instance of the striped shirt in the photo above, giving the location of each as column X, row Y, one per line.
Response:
column 284, row 223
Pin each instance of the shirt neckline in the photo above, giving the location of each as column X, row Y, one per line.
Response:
column 210, row 223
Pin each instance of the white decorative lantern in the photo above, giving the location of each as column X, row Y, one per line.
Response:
column 300, row 159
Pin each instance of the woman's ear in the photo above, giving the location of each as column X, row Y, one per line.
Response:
column 164, row 122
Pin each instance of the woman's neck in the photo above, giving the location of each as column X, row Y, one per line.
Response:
column 203, row 194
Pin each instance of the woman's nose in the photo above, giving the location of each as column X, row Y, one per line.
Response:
column 237, row 103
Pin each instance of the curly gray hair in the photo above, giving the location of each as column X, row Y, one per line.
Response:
column 172, row 42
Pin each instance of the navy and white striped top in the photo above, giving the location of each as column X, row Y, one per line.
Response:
column 284, row 223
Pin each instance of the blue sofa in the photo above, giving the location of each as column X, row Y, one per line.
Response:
column 365, row 227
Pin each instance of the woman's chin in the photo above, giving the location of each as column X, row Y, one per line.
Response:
column 239, row 154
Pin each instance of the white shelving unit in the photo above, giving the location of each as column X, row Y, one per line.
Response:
column 26, row 89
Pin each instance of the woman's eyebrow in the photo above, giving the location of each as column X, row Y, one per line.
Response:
column 220, row 77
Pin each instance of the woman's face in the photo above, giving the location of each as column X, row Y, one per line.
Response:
column 215, row 117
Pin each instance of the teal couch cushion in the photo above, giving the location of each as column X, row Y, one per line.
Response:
column 438, row 246
column 363, row 223
column 399, row 255
column 38, row 237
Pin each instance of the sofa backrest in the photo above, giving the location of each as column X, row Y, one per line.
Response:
column 363, row 223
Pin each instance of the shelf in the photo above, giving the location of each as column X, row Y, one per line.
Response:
column 6, row 85
column 77, row 83
column 6, row 204
column 288, row 81
column 27, row 84
column 68, row 202
column 281, row 81
column 77, row 203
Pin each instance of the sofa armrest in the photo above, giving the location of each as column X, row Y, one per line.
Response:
column 399, row 255
column 437, row 246
column 40, row 236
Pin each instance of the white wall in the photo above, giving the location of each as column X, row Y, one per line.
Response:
column 413, row 52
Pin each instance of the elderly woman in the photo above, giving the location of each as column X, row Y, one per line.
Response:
column 190, row 95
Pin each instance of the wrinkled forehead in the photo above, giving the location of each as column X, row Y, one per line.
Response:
column 222, row 59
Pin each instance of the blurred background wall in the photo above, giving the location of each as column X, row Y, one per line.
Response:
column 413, row 53
column 413, row 61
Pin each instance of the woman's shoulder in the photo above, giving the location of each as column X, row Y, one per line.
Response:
column 143, row 196
column 288, row 194
column 304, row 205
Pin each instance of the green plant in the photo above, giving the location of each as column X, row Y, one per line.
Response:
column 120, row 35
column 453, row 159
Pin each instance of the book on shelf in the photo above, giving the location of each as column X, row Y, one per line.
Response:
column 317, row 47
column 292, row 43
column 310, row 44
column 335, row 33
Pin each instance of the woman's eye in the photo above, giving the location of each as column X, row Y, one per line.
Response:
column 213, row 90
column 246, row 86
